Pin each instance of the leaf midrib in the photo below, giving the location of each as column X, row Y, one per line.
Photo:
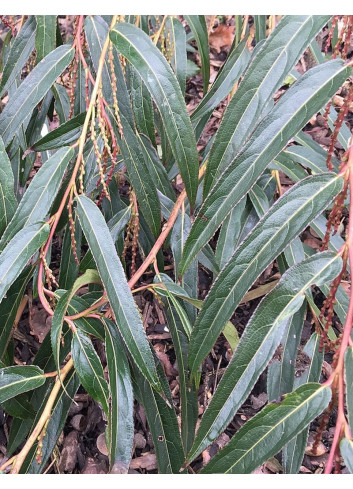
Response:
column 255, row 257
column 275, row 323
column 171, row 112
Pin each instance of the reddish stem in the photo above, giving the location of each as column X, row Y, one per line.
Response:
column 346, row 338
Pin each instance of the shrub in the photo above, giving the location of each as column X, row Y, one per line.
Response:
column 107, row 196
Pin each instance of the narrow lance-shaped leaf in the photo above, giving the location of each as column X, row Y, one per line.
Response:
column 9, row 307
column 156, row 168
column 198, row 26
column 68, row 266
column 302, row 100
column 90, row 276
column 285, row 220
column 165, row 90
column 111, row 271
column 32, row 90
column 178, row 58
column 55, row 426
column 19, row 407
column 229, row 234
column 21, row 47
column 40, row 194
column 162, row 422
column 18, row 252
column 45, row 35
column 19, row 379
column 348, row 364
column 96, row 31
column 280, row 379
column 140, row 178
column 121, row 423
column 259, row 342
column 260, row 27
column 346, row 447
column 89, row 369
column 267, row 70
column 142, row 103
column 223, row 84
column 179, row 332
column 293, row 452
column 8, row 202
column 61, row 136
column 265, row 434
column 62, row 102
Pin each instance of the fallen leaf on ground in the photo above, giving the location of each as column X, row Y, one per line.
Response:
column 148, row 462
column 68, row 456
column 222, row 36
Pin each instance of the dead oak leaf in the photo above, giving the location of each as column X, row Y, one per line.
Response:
column 222, row 36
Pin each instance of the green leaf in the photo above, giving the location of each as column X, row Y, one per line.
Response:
column 62, row 102
column 120, row 421
column 32, row 90
column 63, row 135
column 260, row 27
column 68, row 266
column 188, row 399
column 40, row 194
column 224, row 82
column 267, row 432
column 8, row 202
column 165, row 90
column 285, row 164
column 198, row 26
column 140, row 178
column 57, row 325
column 16, row 380
column 90, row 276
column 9, row 307
column 142, row 104
column 163, row 424
column 178, row 58
column 259, row 342
column 156, row 169
column 348, row 365
column 89, row 369
column 18, row 252
column 265, row 74
column 111, row 271
column 291, row 112
column 231, row 334
column 293, row 452
column 308, row 158
column 45, row 35
column 20, row 49
column 280, row 379
column 259, row 200
column 118, row 222
column 96, row 31
column 285, row 220
column 55, row 426
column 229, row 234
column 346, row 447
column 19, row 407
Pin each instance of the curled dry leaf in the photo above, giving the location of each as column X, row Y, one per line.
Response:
column 147, row 461
column 222, row 36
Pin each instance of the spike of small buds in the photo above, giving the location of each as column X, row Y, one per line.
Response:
column 327, row 310
column 72, row 230
column 98, row 154
column 114, row 89
column 342, row 114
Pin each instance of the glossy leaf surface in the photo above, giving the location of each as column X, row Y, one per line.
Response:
column 165, row 90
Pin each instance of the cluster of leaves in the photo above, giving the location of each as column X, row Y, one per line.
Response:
column 118, row 90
